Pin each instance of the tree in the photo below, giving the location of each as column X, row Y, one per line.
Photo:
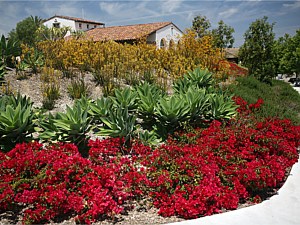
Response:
column 279, row 48
column 290, row 60
column 223, row 37
column 26, row 30
column 257, row 53
column 201, row 25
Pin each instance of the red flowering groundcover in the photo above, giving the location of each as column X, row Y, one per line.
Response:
column 193, row 174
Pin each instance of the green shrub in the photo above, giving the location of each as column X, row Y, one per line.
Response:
column 280, row 99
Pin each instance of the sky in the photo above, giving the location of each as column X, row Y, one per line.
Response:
column 237, row 14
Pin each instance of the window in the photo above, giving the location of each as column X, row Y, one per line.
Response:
column 162, row 43
column 80, row 26
column 95, row 26
column 172, row 30
column 56, row 24
column 87, row 26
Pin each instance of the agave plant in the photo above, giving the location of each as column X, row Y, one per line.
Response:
column 221, row 107
column 100, row 108
column 170, row 113
column 118, row 123
column 71, row 126
column 198, row 78
column 148, row 137
column 125, row 98
column 84, row 103
column 148, row 96
column 34, row 60
column 197, row 101
column 202, row 78
column 16, row 120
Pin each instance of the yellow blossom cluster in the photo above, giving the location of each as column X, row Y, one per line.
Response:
column 134, row 62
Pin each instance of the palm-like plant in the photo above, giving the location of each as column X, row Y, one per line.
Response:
column 8, row 49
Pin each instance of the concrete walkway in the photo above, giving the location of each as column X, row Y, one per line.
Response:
column 280, row 209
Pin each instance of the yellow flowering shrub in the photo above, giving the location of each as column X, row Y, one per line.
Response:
column 135, row 62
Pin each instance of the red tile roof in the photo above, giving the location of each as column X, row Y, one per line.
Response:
column 120, row 33
column 76, row 19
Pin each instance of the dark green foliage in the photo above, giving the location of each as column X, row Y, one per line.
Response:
column 27, row 30
column 257, row 53
column 223, row 37
column 2, row 72
column 8, row 50
column 201, row 25
column 280, row 99
column 288, row 53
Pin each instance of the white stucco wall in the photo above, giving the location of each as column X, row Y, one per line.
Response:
column 168, row 35
column 70, row 23
column 63, row 23
column 84, row 26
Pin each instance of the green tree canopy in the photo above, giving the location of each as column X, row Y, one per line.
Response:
column 257, row 53
column 223, row 37
column 289, row 47
column 201, row 26
column 26, row 30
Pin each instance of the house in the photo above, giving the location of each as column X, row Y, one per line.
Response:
column 76, row 24
column 232, row 54
column 163, row 34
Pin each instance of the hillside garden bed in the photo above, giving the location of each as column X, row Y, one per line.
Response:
column 200, row 170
